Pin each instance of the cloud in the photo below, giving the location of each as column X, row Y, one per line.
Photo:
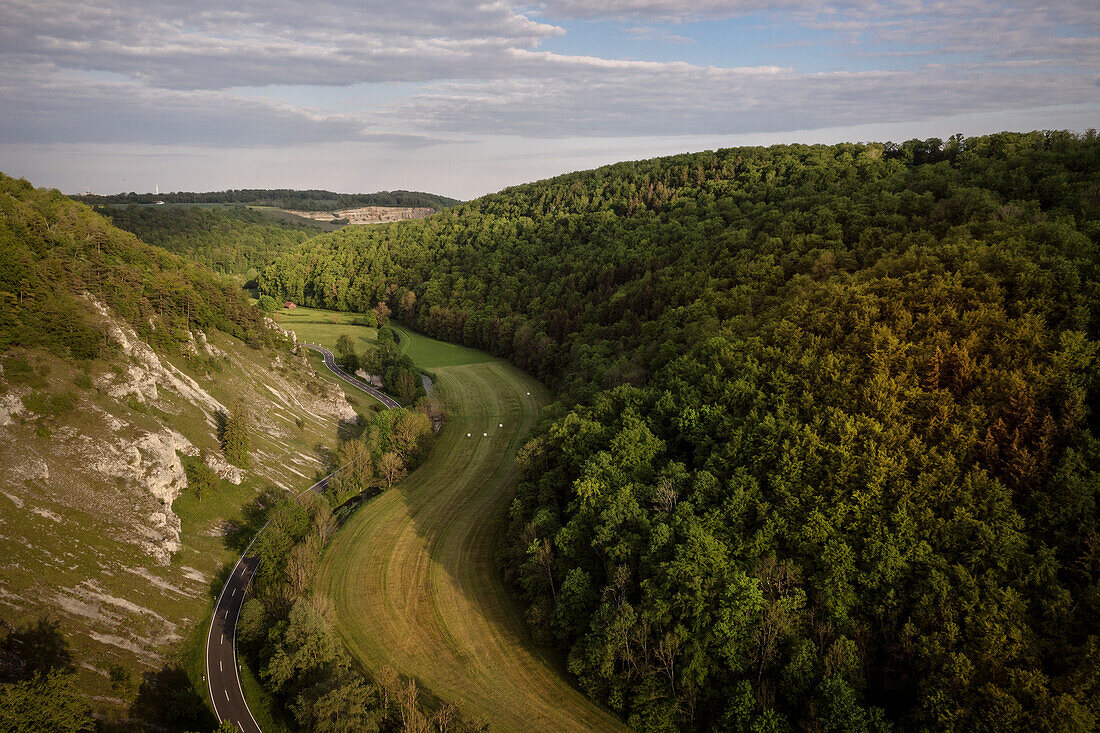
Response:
column 671, row 10
column 651, row 100
column 44, row 105
column 152, row 71
column 202, row 45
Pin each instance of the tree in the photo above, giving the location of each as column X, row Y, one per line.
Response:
column 47, row 703
column 301, row 566
column 410, row 427
column 252, row 624
column 304, row 648
column 407, row 303
column 268, row 304
column 382, row 313
column 371, row 362
column 235, row 435
column 405, row 385
column 345, row 346
column 356, row 470
column 340, row 704
column 200, row 477
column 324, row 523
column 392, row 467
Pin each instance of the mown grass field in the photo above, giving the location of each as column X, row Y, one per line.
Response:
column 429, row 353
column 413, row 575
column 324, row 327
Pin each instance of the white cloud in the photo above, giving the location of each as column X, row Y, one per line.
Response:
column 156, row 72
column 45, row 105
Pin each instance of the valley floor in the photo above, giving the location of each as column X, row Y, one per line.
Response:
column 413, row 575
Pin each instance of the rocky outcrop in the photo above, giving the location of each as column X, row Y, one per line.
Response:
column 336, row 404
column 151, row 462
column 367, row 214
column 146, row 374
column 11, row 404
column 223, row 468
column 274, row 326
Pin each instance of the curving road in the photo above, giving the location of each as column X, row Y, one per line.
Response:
column 222, row 678
column 330, row 362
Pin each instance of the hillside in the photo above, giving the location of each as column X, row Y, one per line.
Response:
column 825, row 453
column 311, row 200
column 119, row 365
column 235, row 240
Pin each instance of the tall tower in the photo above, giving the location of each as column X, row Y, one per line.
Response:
column 156, row 189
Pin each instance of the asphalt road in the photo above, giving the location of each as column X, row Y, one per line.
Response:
column 330, row 362
column 222, row 677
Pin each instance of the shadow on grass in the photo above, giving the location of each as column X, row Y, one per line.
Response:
column 239, row 534
column 345, row 511
column 33, row 650
column 349, row 429
column 324, row 455
column 168, row 700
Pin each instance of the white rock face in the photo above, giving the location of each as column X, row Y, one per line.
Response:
column 156, row 462
column 147, row 373
column 151, row 462
column 224, row 468
column 11, row 404
column 338, row 404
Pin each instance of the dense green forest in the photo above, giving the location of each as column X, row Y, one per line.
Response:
column 53, row 251
column 825, row 455
column 311, row 200
column 235, row 240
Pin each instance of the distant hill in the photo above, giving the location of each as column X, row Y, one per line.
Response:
column 283, row 198
column 235, row 240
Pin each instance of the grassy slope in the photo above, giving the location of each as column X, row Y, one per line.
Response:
column 413, row 576
column 323, row 327
column 85, row 546
column 429, row 353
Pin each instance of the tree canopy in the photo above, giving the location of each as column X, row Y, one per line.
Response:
column 825, row 454
column 234, row 240
column 54, row 252
column 310, row 200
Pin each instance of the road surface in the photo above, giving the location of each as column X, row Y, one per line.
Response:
column 222, row 678
column 330, row 362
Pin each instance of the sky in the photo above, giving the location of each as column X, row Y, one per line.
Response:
column 462, row 99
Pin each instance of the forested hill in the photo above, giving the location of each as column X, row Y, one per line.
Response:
column 53, row 251
column 235, row 240
column 311, row 200
column 826, row 454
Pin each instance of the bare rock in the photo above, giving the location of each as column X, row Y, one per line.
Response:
column 11, row 404
column 146, row 373
column 372, row 379
column 225, row 470
column 151, row 462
